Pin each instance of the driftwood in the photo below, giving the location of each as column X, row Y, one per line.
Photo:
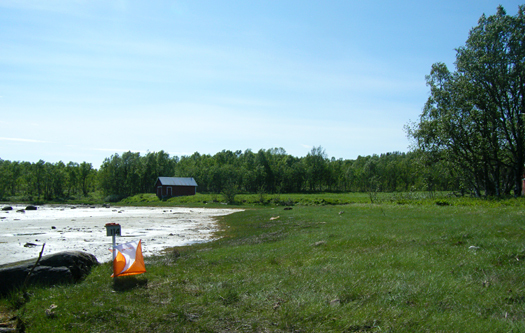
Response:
column 24, row 287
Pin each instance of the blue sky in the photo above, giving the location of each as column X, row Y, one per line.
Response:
column 82, row 80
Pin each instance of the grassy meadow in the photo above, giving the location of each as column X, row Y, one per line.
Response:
column 265, row 200
column 355, row 267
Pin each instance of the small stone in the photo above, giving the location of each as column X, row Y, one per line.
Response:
column 335, row 302
column 49, row 311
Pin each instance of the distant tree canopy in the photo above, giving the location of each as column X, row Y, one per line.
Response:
column 45, row 180
column 473, row 119
column 266, row 171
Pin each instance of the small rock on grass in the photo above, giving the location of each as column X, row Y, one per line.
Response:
column 49, row 312
column 335, row 302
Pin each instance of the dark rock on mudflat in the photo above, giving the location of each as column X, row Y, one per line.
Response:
column 7, row 208
column 63, row 267
column 31, row 207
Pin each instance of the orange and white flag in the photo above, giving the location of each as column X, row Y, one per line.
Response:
column 129, row 259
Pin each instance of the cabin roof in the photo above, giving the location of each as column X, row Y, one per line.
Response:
column 178, row 181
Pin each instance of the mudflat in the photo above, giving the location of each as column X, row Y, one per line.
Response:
column 81, row 228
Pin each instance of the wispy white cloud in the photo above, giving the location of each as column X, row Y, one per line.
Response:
column 23, row 140
column 117, row 150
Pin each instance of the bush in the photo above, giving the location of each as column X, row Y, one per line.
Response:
column 229, row 192
column 113, row 198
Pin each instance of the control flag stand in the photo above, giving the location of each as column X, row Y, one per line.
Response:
column 113, row 229
column 127, row 258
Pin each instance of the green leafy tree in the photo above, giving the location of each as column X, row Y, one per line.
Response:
column 474, row 116
column 316, row 166
column 110, row 176
column 57, row 179
column 10, row 178
column 85, row 174
column 4, row 178
column 71, row 177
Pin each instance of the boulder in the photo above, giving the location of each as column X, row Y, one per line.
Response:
column 63, row 267
column 6, row 208
column 30, row 207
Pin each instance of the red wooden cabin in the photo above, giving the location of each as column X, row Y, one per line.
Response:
column 175, row 186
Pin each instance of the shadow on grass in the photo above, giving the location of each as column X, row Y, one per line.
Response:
column 126, row 283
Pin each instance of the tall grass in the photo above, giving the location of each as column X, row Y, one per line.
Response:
column 352, row 268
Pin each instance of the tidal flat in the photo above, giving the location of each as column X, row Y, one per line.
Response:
column 81, row 228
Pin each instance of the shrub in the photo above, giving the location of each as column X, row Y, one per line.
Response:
column 113, row 198
column 229, row 192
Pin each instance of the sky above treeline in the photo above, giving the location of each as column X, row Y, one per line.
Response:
column 83, row 80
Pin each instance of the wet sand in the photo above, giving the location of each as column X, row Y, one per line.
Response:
column 81, row 228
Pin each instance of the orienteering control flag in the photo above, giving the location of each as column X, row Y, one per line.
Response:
column 129, row 259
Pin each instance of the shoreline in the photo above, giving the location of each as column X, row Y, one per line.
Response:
column 81, row 228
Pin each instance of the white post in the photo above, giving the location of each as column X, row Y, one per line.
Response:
column 114, row 246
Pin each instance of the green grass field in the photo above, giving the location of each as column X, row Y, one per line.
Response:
column 316, row 268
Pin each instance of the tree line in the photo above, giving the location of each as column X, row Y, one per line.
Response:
column 46, row 180
column 267, row 171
